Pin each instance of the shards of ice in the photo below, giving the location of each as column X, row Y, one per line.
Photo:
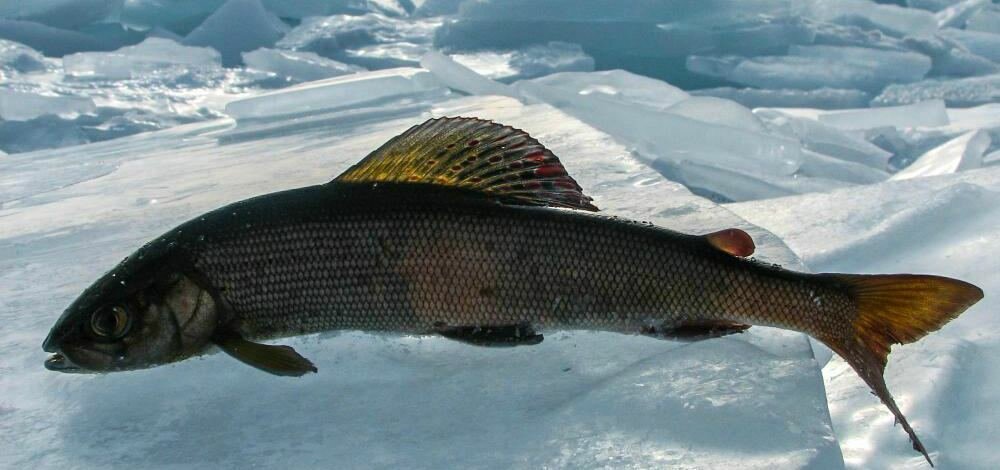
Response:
column 986, row 20
column 826, row 139
column 530, row 62
column 18, row 106
column 618, row 85
column 460, row 77
column 956, row 15
column 819, row 165
column 135, row 61
column 717, row 111
column 927, row 114
column 811, row 67
column 237, row 26
column 53, row 42
column 964, row 152
column 372, row 40
column 16, row 57
column 888, row 18
column 296, row 66
column 334, row 92
column 969, row 91
column 983, row 44
column 822, row 98
column 659, row 134
column 949, row 58
column 59, row 13
column 176, row 16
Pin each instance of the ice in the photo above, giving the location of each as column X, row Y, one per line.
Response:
column 950, row 58
column 984, row 44
column 888, row 18
column 823, row 98
column 151, row 55
column 18, row 106
column 619, row 85
column 969, row 91
column 718, row 111
column 460, row 77
column 237, row 26
column 818, row 165
column 176, row 16
column 579, row 399
column 959, row 154
column 986, row 20
column 296, row 66
column 992, row 158
column 656, row 134
column 16, row 57
column 945, row 225
column 53, row 42
column 337, row 92
column 928, row 113
column 826, row 139
column 811, row 67
column 372, row 40
column 956, row 15
column 725, row 185
column 891, row 19
column 530, row 62
column 59, row 13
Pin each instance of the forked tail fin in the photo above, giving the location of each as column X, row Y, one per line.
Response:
column 896, row 309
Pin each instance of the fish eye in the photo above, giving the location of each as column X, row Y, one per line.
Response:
column 111, row 322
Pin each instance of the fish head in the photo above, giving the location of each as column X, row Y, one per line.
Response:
column 143, row 313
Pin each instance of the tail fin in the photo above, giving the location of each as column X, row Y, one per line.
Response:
column 896, row 309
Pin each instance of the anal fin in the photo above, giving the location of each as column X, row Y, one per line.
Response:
column 492, row 336
column 696, row 331
column 273, row 359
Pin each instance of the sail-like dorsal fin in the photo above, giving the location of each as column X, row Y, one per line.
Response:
column 473, row 154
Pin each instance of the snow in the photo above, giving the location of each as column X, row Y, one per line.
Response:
column 237, row 26
column 865, row 135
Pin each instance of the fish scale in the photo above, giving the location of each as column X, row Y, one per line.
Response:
column 411, row 269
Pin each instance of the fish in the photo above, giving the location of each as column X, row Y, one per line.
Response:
column 473, row 231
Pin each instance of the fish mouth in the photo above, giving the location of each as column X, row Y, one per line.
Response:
column 60, row 363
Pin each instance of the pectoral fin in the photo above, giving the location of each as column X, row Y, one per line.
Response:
column 492, row 336
column 273, row 359
column 696, row 331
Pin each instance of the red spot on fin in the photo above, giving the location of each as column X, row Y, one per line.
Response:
column 733, row 241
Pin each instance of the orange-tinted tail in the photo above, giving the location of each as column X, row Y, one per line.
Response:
column 896, row 309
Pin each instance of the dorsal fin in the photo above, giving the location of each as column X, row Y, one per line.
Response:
column 474, row 154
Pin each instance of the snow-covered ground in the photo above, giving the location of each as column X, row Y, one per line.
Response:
column 844, row 135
